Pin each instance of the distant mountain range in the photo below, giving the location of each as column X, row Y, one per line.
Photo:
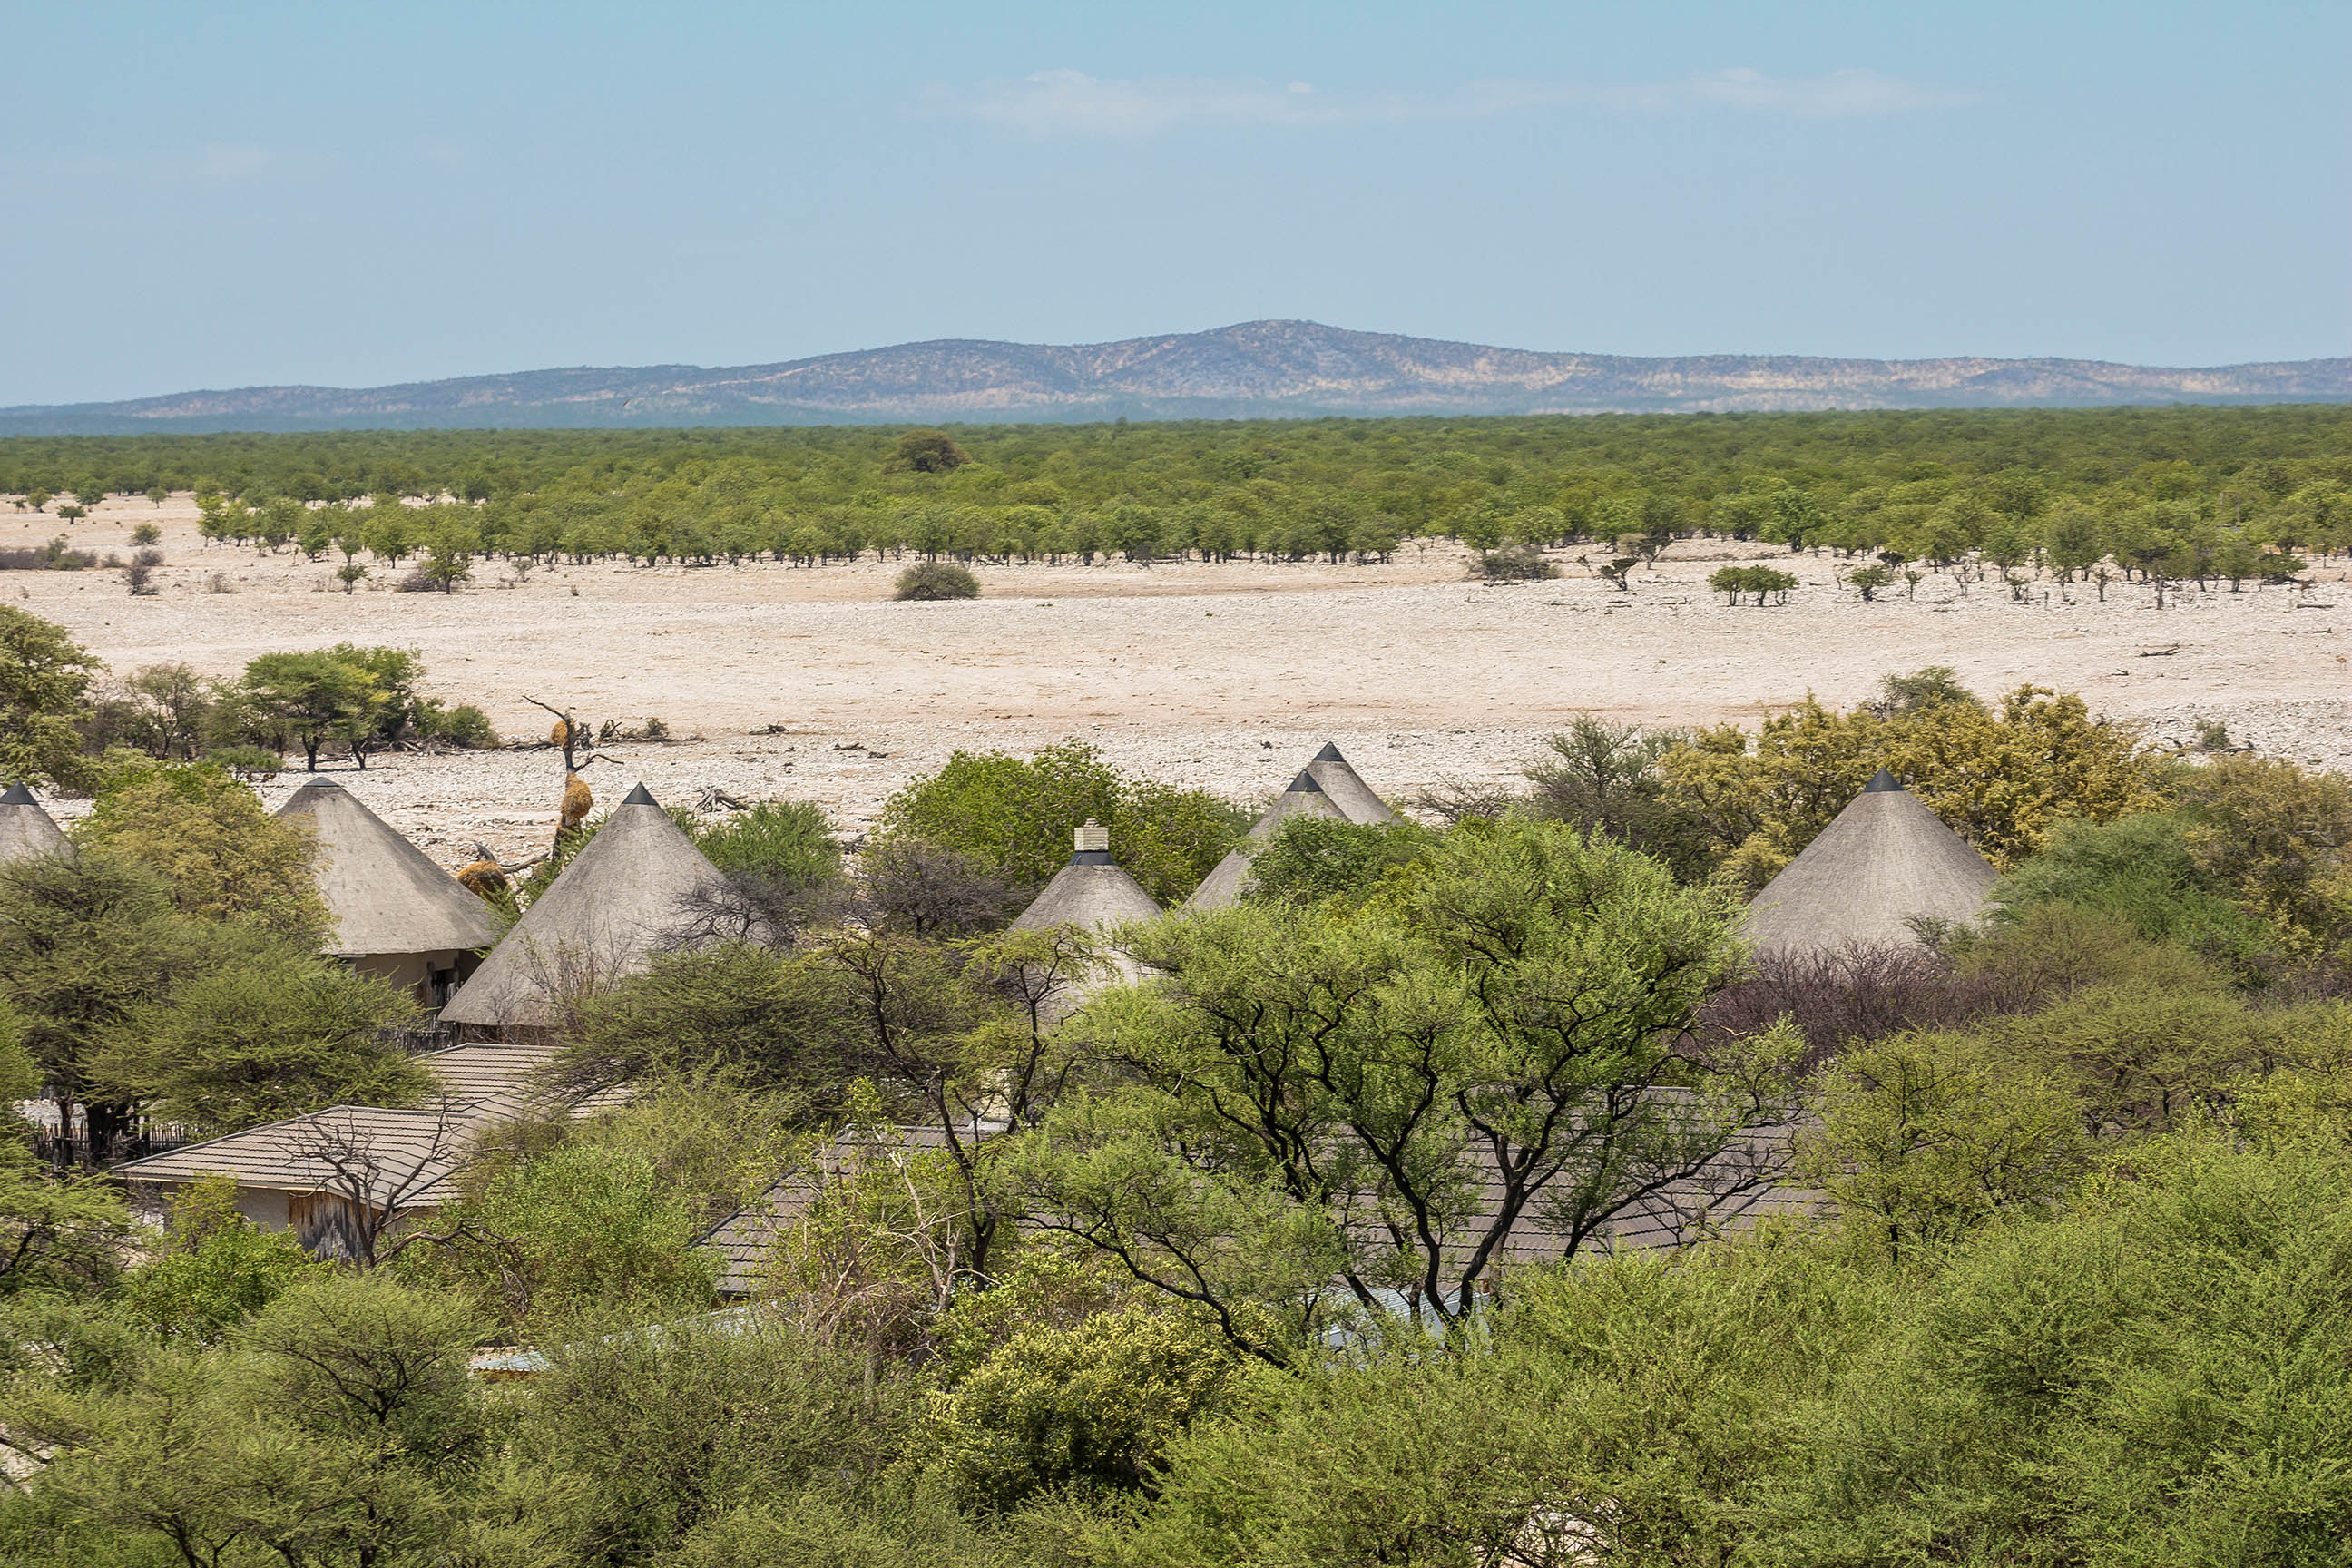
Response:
column 1256, row 370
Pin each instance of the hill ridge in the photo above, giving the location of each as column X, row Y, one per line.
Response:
column 1253, row 369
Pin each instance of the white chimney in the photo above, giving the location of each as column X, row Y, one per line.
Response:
column 1094, row 837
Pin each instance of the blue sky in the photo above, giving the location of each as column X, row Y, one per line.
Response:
column 351, row 194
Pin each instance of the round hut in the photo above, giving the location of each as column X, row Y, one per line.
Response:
column 1348, row 789
column 396, row 914
column 1222, row 887
column 1885, row 861
column 626, row 895
column 1096, row 895
column 27, row 832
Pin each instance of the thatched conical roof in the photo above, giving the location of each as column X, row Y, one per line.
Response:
column 386, row 894
column 1092, row 892
column 1222, row 887
column 27, row 832
column 623, row 895
column 1885, row 860
column 1348, row 789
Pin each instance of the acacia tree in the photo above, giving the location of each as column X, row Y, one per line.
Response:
column 965, row 1034
column 1396, row 1099
column 316, row 697
column 44, row 676
column 86, row 945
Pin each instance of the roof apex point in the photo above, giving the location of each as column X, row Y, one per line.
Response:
column 1881, row 783
column 640, row 795
column 1330, row 754
column 1304, row 784
column 19, row 795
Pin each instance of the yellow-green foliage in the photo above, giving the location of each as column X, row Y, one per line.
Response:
column 227, row 859
column 1015, row 815
column 1926, row 1137
column 1922, row 1137
column 1093, row 1405
column 215, row 1269
column 45, row 676
column 1999, row 777
column 2280, row 839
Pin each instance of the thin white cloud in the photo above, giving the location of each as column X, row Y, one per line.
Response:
column 1070, row 103
column 1839, row 95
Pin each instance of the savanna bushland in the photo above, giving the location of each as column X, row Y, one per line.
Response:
column 1234, row 1266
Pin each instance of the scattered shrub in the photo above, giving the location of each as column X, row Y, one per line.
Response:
column 146, row 533
column 53, row 556
column 937, row 580
column 138, row 576
column 1733, row 581
column 1513, row 563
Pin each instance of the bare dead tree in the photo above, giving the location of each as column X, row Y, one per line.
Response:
column 574, row 731
column 377, row 1175
column 1455, row 799
column 931, row 890
column 761, row 908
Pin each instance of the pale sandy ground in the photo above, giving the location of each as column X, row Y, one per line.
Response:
column 1226, row 676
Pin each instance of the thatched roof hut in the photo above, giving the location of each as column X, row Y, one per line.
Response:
column 1221, row 888
column 396, row 913
column 1348, row 789
column 1886, row 860
column 27, row 832
column 623, row 896
column 1092, row 892
column 1096, row 895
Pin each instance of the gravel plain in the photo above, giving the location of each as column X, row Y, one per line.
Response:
column 815, row 684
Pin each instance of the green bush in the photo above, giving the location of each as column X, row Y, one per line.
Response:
column 1092, row 1407
column 2141, row 870
column 937, row 580
column 465, row 726
column 585, row 1227
column 1015, row 817
column 1311, row 858
column 793, row 840
column 215, row 1269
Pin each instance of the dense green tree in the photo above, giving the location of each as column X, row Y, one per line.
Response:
column 86, row 945
column 226, row 858
column 267, row 1031
column 1383, row 1095
column 1308, row 859
column 45, row 678
column 1016, row 817
column 315, row 699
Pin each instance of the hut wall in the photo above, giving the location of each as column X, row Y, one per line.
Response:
column 262, row 1207
column 430, row 977
column 326, row 1224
